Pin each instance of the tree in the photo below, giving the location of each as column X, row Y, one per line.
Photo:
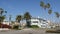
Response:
column 46, row 6
column 27, row 16
column 57, row 14
column 2, row 16
column 49, row 11
column 18, row 18
column 2, row 11
column 43, row 5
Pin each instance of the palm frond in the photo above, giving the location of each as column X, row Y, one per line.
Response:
column 42, row 4
column 57, row 14
column 49, row 11
column 48, row 5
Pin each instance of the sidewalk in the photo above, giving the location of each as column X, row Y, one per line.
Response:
column 4, row 29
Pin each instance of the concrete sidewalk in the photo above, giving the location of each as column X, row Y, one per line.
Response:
column 4, row 29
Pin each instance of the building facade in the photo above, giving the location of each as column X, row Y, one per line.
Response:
column 40, row 22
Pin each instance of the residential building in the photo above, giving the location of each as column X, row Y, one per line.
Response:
column 6, row 22
column 40, row 22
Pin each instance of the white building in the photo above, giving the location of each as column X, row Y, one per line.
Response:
column 34, row 21
column 40, row 22
column 6, row 22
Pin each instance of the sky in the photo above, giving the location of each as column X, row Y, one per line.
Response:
column 19, row 7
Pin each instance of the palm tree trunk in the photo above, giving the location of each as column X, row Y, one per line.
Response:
column 19, row 24
column 28, row 23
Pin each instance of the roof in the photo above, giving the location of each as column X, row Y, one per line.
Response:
column 38, row 18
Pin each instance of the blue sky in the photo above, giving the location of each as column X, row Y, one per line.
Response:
column 16, row 7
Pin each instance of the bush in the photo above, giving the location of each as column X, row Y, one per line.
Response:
column 34, row 26
column 52, row 31
column 15, row 27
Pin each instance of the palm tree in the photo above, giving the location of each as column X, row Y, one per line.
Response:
column 18, row 18
column 57, row 14
column 2, row 11
column 49, row 11
column 2, row 17
column 27, row 16
column 42, row 4
column 46, row 6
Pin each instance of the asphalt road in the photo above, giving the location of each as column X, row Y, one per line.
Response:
column 26, row 31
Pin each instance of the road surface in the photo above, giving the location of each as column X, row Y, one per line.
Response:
column 26, row 31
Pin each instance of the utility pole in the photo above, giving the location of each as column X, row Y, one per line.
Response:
column 9, row 19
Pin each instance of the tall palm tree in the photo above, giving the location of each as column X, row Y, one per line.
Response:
column 2, row 17
column 57, row 15
column 27, row 16
column 50, row 12
column 43, row 5
column 46, row 6
column 18, row 18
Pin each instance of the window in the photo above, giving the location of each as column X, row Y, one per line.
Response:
column 35, row 21
column 43, row 23
column 43, row 26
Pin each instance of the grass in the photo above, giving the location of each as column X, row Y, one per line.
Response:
column 34, row 26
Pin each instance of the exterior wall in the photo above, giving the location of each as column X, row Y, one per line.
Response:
column 34, row 20
column 6, row 22
column 41, row 24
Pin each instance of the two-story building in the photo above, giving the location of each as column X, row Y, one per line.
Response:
column 40, row 22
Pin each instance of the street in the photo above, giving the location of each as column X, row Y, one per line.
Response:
column 26, row 31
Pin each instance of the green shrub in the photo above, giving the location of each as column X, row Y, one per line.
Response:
column 34, row 26
column 15, row 27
